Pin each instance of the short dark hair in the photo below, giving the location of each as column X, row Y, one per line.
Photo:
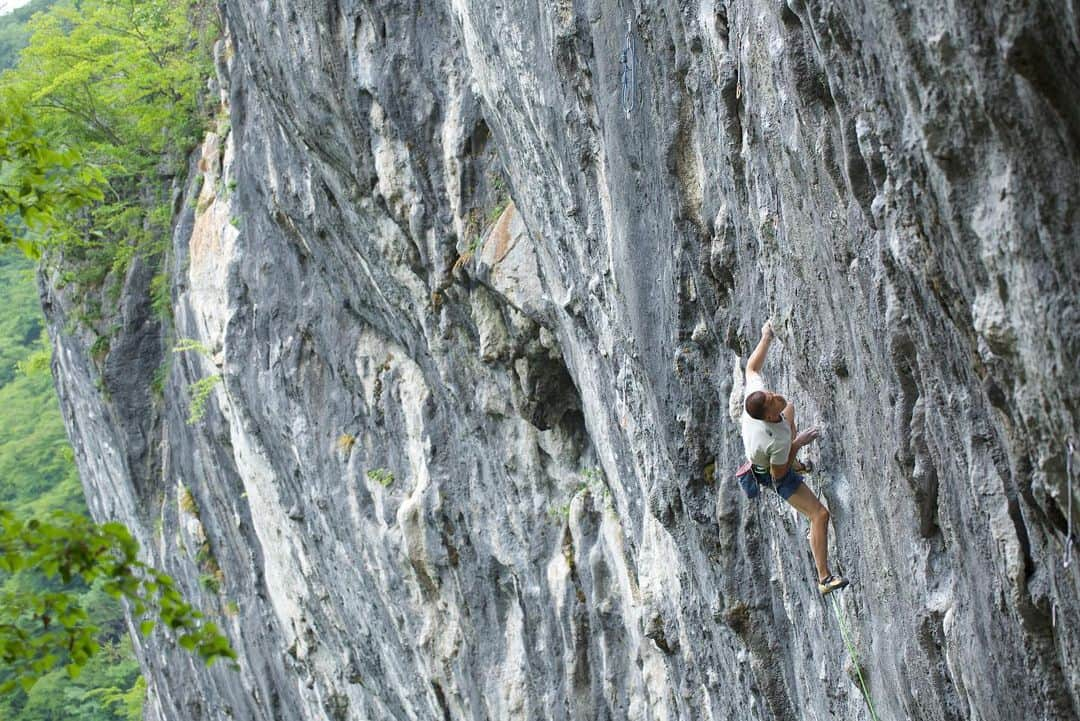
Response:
column 755, row 405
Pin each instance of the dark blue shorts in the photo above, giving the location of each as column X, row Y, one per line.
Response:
column 785, row 486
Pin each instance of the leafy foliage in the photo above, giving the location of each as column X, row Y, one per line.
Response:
column 109, row 689
column 592, row 484
column 382, row 476
column 120, row 82
column 41, row 184
column 42, row 629
column 188, row 504
column 559, row 514
column 200, row 393
column 160, row 296
column 20, row 325
column 191, row 344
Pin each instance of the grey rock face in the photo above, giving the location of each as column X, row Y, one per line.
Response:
column 457, row 465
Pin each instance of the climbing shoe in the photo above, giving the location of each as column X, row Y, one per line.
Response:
column 831, row 583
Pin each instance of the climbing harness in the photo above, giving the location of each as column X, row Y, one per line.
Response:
column 628, row 80
column 845, row 633
column 1068, row 489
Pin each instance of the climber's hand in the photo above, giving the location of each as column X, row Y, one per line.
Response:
column 767, row 330
column 806, row 437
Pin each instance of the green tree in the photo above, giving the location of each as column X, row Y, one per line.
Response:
column 109, row 689
column 42, row 183
column 120, row 82
column 41, row 629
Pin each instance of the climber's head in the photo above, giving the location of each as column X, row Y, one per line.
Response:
column 765, row 406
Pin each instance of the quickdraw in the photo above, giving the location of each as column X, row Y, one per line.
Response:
column 628, row 81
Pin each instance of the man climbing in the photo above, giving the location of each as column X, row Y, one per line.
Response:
column 771, row 443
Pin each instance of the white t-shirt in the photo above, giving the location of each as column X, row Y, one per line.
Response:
column 765, row 443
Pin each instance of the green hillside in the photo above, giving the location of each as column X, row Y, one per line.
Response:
column 13, row 32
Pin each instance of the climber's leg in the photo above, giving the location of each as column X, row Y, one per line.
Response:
column 806, row 503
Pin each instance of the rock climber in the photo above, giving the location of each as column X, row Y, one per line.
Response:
column 771, row 443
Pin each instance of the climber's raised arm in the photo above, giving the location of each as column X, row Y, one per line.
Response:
column 756, row 361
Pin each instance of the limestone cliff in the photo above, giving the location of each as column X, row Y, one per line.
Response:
column 456, row 459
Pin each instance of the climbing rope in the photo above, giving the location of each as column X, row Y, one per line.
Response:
column 846, row 635
column 628, row 80
column 1069, row 489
